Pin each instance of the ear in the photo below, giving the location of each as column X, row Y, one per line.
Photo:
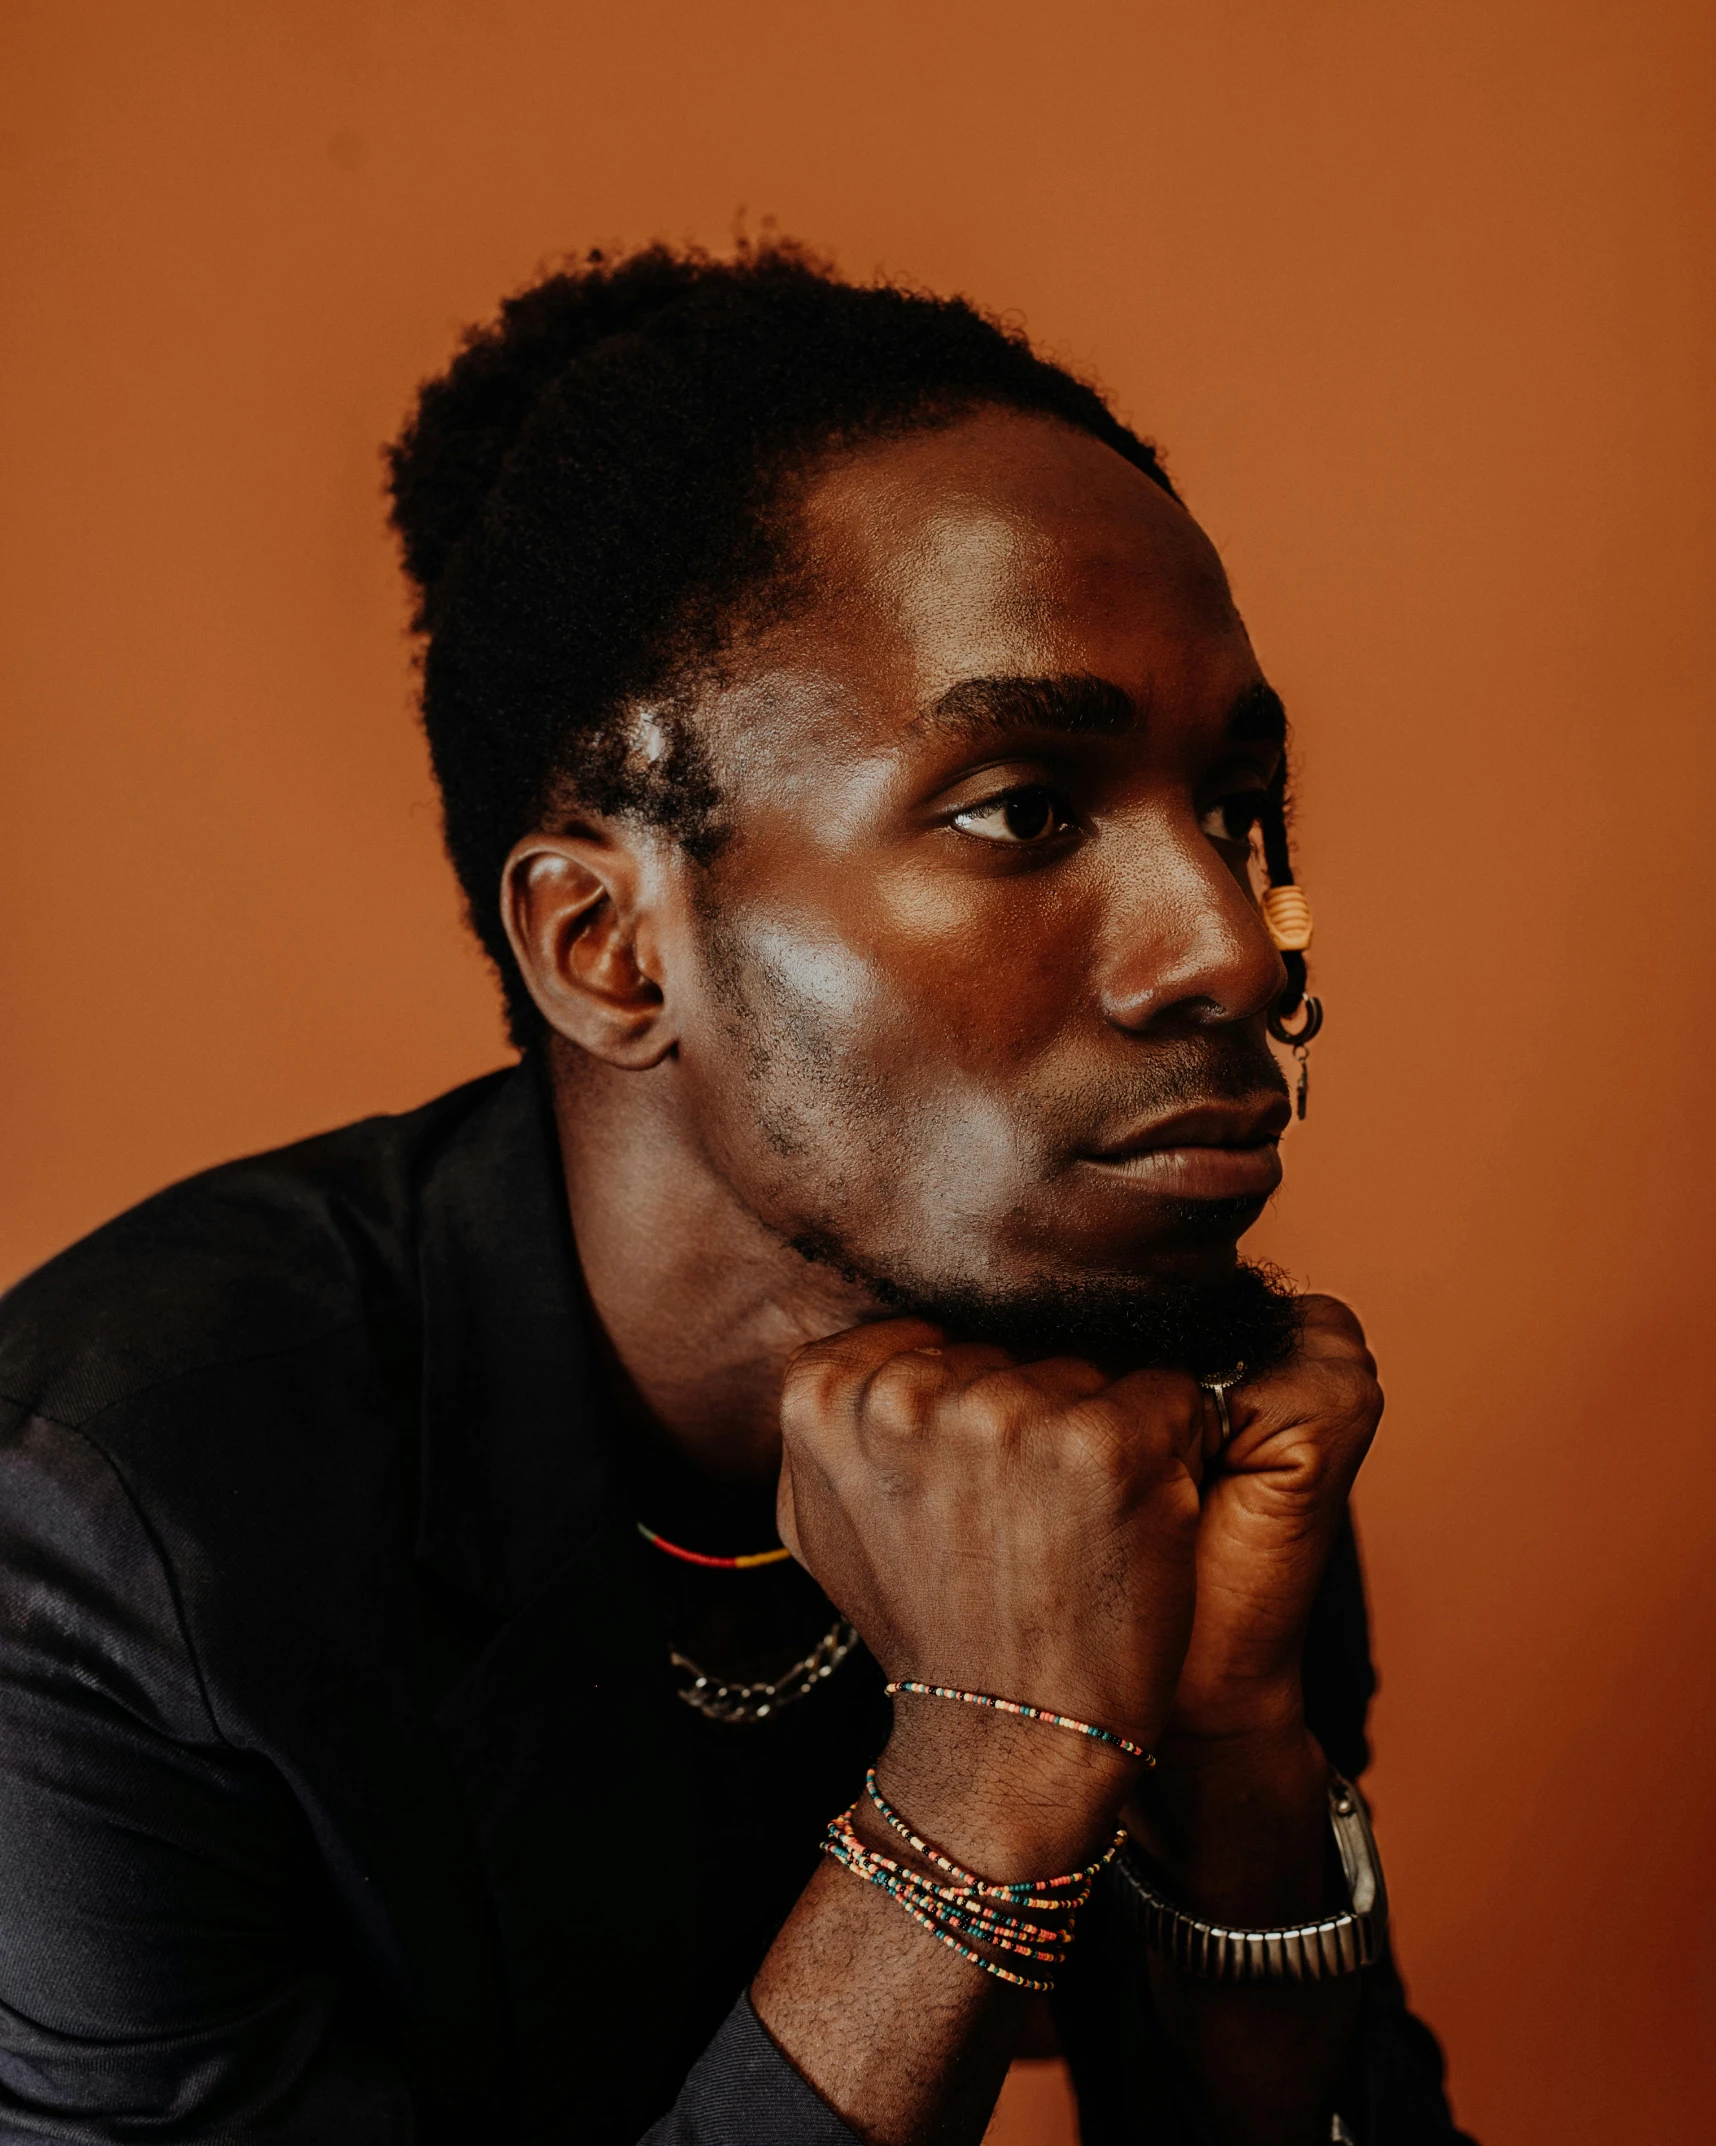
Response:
column 583, row 932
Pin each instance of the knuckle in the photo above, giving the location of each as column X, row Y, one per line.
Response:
column 996, row 1404
column 825, row 1362
column 1311, row 1460
column 1330, row 1319
column 786, row 1515
column 1064, row 1380
column 812, row 1391
column 1360, row 1396
column 971, row 1361
column 1162, row 1421
column 1104, row 1435
column 801, row 1407
column 902, row 1394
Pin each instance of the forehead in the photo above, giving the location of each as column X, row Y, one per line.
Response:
column 999, row 546
column 1007, row 534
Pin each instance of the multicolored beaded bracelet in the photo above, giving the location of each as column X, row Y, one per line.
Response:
column 911, row 1686
column 970, row 1911
column 963, row 1901
column 843, row 1845
column 1024, row 1893
column 1035, row 1941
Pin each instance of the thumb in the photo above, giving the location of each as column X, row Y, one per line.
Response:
column 786, row 1514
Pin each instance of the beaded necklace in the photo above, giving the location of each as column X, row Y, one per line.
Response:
column 712, row 1696
column 748, row 1563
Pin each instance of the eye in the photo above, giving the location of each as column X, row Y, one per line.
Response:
column 1020, row 817
column 1232, row 818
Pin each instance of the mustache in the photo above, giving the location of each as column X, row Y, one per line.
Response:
column 1225, row 1067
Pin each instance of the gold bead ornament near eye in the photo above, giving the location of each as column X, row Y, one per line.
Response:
column 1287, row 913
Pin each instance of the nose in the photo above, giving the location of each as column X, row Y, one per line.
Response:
column 1183, row 946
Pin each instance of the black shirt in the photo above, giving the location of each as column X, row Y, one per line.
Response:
column 344, row 1793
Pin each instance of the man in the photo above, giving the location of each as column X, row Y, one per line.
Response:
column 414, row 1727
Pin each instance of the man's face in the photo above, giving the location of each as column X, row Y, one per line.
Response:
column 979, row 982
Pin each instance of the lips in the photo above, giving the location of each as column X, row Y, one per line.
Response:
column 1217, row 1151
column 1209, row 1125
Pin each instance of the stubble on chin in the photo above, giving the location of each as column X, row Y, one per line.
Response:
column 1248, row 1316
column 801, row 1083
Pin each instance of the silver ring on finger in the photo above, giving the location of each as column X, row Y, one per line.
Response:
column 1217, row 1389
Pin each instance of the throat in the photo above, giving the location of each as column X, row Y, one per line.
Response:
column 697, row 1305
column 740, row 1622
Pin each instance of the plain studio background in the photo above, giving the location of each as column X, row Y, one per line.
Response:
column 1418, row 299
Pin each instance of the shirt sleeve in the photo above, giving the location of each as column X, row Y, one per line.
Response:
column 165, row 1974
column 158, row 1980
column 1131, row 2084
column 743, row 2092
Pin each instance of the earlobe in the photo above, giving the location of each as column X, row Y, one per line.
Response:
column 583, row 937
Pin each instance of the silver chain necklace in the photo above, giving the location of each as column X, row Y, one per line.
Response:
column 716, row 1701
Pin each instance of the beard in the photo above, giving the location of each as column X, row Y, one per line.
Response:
column 799, row 1078
column 1248, row 1316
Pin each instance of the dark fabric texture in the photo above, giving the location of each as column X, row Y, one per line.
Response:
column 344, row 1797
column 743, row 2092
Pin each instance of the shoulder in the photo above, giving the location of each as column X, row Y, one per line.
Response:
column 252, row 1260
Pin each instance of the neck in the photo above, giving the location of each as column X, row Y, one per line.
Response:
column 699, row 1304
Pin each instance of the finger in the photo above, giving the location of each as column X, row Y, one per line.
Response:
column 1063, row 1378
column 1325, row 1397
column 900, row 1397
column 826, row 1380
column 968, row 1360
column 1167, row 1397
column 1331, row 1343
column 1326, row 1324
column 1058, row 1390
column 786, row 1511
column 857, row 1350
column 1161, row 1412
column 1214, row 1430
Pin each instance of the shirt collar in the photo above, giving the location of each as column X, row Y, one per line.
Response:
column 517, row 1449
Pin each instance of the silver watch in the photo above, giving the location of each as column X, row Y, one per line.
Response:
column 1339, row 1944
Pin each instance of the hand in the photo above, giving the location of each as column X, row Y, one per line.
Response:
column 1028, row 1530
column 1273, row 1501
column 1237, row 1812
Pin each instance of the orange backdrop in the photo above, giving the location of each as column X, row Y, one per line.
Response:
column 1418, row 296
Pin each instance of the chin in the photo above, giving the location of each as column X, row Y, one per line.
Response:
column 1187, row 1306
column 1180, row 1243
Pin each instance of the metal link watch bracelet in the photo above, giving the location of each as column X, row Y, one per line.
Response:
column 1338, row 1944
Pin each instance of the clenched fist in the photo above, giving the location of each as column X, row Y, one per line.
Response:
column 1273, row 1500
column 1027, row 1529
column 1083, row 1542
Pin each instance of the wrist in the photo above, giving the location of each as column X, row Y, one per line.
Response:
column 1008, row 1799
column 1232, row 1714
column 1239, row 1824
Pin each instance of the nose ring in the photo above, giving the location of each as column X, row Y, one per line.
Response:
column 1312, row 1009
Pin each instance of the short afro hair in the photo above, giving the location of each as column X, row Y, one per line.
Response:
column 588, row 502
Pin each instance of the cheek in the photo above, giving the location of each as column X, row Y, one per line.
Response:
column 836, row 990
column 842, row 1074
column 929, row 1017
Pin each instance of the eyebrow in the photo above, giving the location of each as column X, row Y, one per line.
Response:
column 1258, row 716
column 1077, row 704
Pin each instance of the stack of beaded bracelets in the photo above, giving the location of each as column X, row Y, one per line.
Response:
column 968, row 1910
column 965, row 1911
